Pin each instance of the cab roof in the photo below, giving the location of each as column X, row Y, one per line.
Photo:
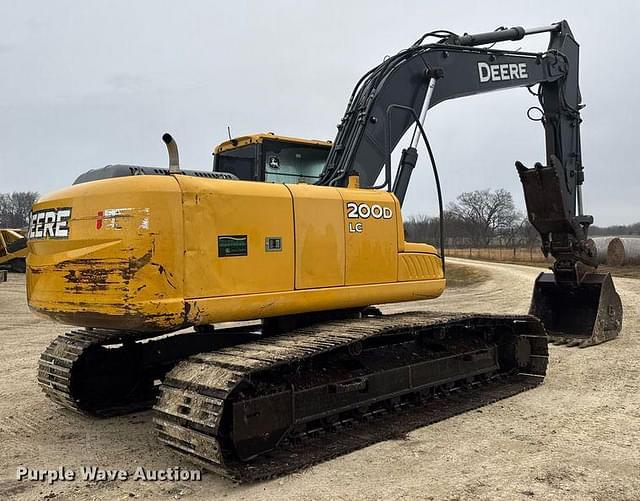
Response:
column 237, row 142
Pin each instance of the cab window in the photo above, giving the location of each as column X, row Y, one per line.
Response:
column 292, row 163
column 239, row 161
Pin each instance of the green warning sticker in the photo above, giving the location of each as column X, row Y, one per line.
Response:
column 232, row 245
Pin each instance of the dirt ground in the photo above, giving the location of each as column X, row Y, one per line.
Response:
column 575, row 437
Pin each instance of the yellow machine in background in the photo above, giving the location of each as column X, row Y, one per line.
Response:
column 13, row 250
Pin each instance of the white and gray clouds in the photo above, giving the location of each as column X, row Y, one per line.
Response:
column 85, row 84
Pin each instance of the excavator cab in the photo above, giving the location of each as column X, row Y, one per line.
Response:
column 272, row 158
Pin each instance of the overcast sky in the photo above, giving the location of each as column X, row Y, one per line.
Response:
column 85, row 84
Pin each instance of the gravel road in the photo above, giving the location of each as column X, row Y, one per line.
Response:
column 575, row 437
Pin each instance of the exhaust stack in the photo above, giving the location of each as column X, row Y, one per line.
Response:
column 172, row 149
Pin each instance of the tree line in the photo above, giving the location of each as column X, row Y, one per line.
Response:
column 617, row 230
column 15, row 208
column 486, row 218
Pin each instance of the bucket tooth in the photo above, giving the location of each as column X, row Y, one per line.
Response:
column 578, row 314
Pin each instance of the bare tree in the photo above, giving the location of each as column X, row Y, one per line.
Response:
column 15, row 208
column 528, row 235
column 423, row 229
column 486, row 214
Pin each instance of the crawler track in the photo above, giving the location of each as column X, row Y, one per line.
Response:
column 275, row 405
column 104, row 373
column 67, row 374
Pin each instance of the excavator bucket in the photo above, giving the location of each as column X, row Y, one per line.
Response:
column 578, row 315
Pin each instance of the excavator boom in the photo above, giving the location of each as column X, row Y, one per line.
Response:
column 397, row 94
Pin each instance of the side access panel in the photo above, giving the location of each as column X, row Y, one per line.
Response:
column 320, row 242
column 238, row 237
column 371, row 236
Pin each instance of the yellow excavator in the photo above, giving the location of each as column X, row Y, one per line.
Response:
column 301, row 239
